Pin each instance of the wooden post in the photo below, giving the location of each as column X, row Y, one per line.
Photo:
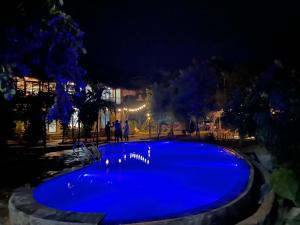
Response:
column 72, row 124
column 78, row 135
column 45, row 133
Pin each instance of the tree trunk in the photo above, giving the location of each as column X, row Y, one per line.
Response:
column 63, row 137
column 45, row 133
column 63, row 134
column 149, row 129
column 158, row 130
column 72, row 119
column 85, row 133
column 78, row 135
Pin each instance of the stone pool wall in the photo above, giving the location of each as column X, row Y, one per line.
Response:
column 24, row 210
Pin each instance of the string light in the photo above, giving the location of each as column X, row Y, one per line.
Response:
column 134, row 109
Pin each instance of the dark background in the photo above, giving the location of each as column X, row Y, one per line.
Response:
column 125, row 39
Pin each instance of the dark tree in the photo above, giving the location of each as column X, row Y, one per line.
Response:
column 43, row 41
column 190, row 94
column 267, row 109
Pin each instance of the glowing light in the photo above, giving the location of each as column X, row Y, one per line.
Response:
column 138, row 157
column 135, row 109
column 236, row 136
column 70, row 185
column 120, row 160
column 107, row 162
column 274, row 111
column 250, row 138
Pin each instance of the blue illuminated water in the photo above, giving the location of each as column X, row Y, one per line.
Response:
column 141, row 181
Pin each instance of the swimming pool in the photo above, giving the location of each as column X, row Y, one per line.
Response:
column 145, row 181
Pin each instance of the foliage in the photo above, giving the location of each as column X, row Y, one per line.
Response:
column 238, row 112
column 295, row 220
column 32, row 110
column 49, row 48
column 43, row 41
column 132, row 126
column 284, row 183
column 161, row 102
column 6, row 84
column 190, row 94
column 195, row 90
column 6, row 120
column 268, row 108
column 62, row 109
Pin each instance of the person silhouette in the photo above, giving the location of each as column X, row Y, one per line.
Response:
column 118, row 131
column 126, row 131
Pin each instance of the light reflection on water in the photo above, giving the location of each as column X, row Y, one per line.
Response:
column 111, row 156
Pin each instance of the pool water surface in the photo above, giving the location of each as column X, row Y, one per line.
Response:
column 143, row 181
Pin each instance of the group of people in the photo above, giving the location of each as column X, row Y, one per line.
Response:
column 118, row 131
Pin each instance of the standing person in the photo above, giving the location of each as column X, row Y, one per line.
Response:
column 107, row 131
column 126, row 131
column 113, row 131
column 118, row 131
column 192, row 127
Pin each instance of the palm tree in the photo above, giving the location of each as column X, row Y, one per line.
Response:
column 100, row 104
column 90, row 103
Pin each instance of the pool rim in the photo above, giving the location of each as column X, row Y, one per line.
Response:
column 28, row 191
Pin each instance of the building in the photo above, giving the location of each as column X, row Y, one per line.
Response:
column 30, row 86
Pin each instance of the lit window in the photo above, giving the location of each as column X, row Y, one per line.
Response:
column 74, row 118
column 52, row 127
column 70, row 87
column 35, row 88
column 107, row 94
column 118, row 96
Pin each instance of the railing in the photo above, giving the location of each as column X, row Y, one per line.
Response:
column 86, row 153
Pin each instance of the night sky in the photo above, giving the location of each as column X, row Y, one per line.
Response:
column 138, row 38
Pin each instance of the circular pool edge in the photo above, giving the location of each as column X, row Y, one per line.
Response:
column 24, row 209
